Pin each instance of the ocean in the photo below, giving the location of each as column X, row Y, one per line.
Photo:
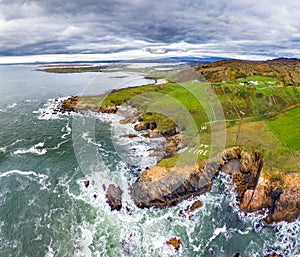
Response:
column 45, row 158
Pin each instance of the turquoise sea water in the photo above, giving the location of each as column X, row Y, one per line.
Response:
column 45, row 209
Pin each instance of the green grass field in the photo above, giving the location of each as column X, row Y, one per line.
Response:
column 286, row 127
column 264, row 117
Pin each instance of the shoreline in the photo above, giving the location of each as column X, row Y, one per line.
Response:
column 193, row 177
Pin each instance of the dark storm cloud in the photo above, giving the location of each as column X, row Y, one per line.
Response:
column 93, row 26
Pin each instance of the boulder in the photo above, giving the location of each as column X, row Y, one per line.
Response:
column 188, row 211
column 196, row 205
column 114, row 197
column 130, row 135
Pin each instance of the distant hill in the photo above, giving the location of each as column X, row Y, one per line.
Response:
column 286, row 71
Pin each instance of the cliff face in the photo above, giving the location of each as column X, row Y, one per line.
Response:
column 286, row 71
column 282, row 201
column 161, row 187
column 243, row 167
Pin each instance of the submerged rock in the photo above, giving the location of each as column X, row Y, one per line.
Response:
column 114, row 197
column 175, row 242
column 238, row 255
column 188, row 211
column 273, row 255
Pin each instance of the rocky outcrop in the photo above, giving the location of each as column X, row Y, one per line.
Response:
column 114, row 197
column 108, row 109
column 256, row 192
column 144, row 125
column 75, row 103
column 161, row 187
column 70, row 104
column 175, row 242
column 172, row 145
column 282, row 200
column 243, row 167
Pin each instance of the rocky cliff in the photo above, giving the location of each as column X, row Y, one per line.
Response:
column 161, row 187
column 282, row 200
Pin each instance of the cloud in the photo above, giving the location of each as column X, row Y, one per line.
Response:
column 266, row 28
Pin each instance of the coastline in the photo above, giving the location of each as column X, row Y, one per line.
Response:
column 189, row 181
column 162, row 187
column 153, row 174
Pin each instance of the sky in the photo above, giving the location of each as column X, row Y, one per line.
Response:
column 116, row 29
